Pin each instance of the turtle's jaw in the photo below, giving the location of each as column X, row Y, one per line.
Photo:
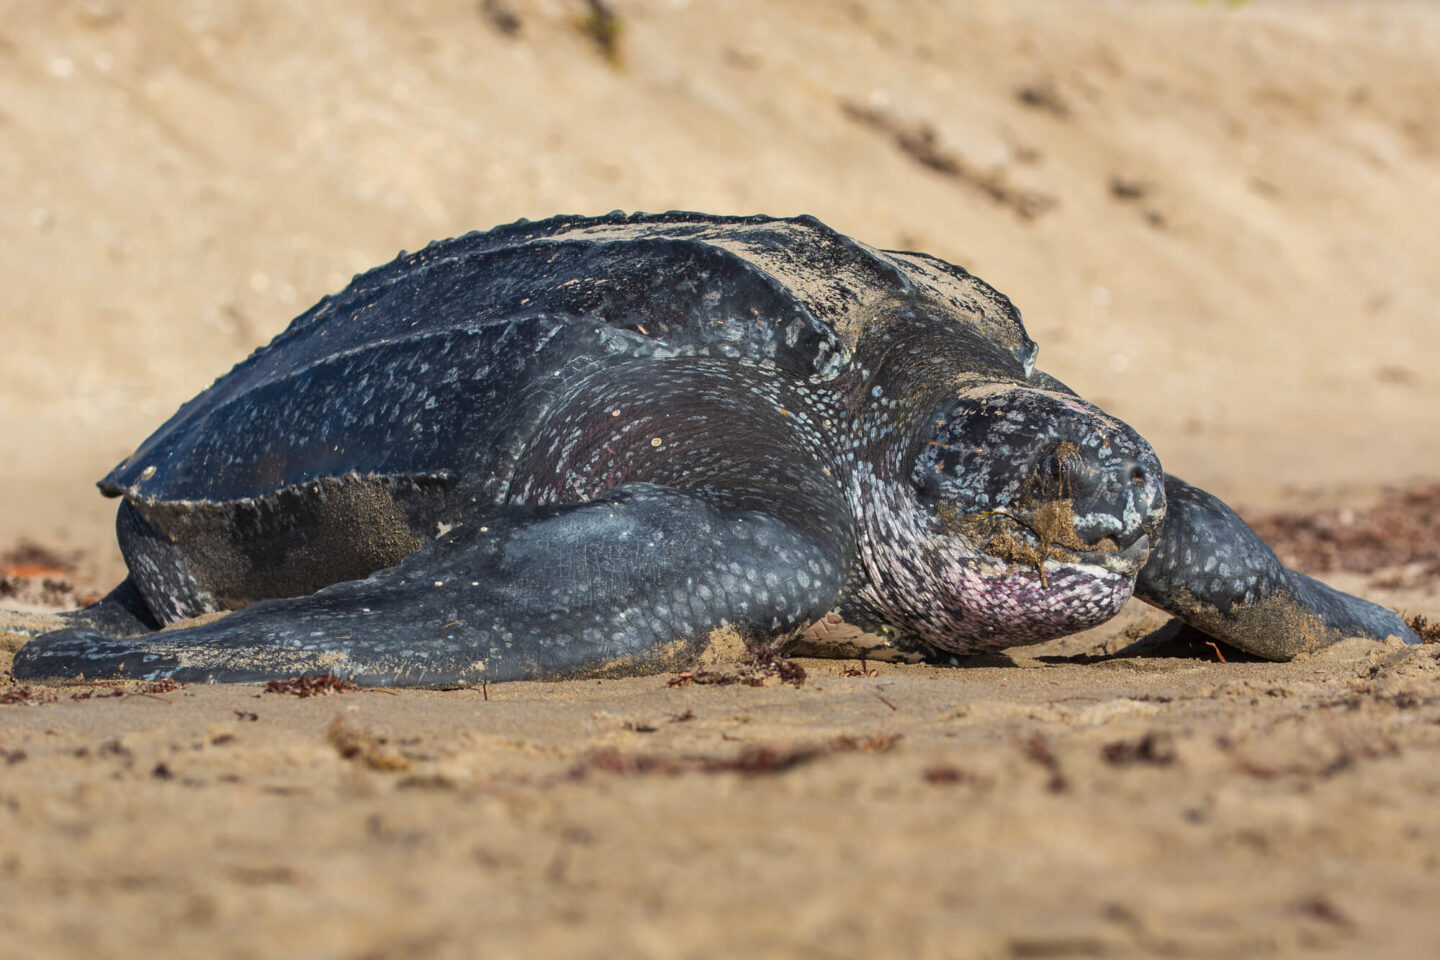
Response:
column 1046, row 535
column 990, row 607
column 991, row 579
column 1017, row 577
column 1032, row 514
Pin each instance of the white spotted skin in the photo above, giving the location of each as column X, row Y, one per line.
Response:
column 944, row 591
column 736, row 432
column 564, row 447
column 933, row 439
column 549, row 363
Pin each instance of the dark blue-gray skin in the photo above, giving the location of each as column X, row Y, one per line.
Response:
column 580, row 447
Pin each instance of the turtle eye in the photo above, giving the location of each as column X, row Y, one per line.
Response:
column 1055, row 474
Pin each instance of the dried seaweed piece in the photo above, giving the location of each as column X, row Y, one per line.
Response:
column 1149, row 749
column 767, row 661
column 1427, row 632
column 1037, row 749
column 311, row 685
column 11, row 696
column 864, row 670
column 1402, row 531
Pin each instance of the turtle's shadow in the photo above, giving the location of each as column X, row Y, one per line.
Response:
column 1175, row 640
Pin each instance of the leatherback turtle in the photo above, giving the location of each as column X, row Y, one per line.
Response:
column 581, row 445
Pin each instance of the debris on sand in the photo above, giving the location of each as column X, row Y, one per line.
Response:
column 364, row 747
column 921, row 143
column 1037, row 749
column 28, row 560
column 945, row 774
column 754, row 760
column 604, row 28
column 767, row 662
column 1151, row 749
column 1399, row 538
column 25, row 695
column 1043, row 95
column 311, row 685
column 751, row 761
column 41, row 592
column 1427, row 632
column 864, row 670
column 501, row 17
column 32, row 574
column 1122, row 188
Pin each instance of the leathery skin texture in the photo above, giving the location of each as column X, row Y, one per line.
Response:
column 582, row 446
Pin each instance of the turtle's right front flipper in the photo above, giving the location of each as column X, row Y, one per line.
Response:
column 1215, row 573
column 631, row 582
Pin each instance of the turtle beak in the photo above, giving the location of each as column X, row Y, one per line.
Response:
column 1129, row 560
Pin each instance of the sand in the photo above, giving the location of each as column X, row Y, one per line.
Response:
column 1045, row 805
column 1218, row 221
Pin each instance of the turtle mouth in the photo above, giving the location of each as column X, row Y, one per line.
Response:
column 1046, row 535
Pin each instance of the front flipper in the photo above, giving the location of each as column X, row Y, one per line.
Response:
column 1215, row 573
column 632, row 582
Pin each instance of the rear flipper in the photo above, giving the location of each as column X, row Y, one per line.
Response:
column 626, row 584
column 1215, row 573
column 120, row 613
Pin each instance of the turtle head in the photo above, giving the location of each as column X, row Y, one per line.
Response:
column 1022, row 470
column 1036, row 511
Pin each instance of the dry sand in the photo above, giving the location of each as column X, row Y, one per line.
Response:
column 1219, row 222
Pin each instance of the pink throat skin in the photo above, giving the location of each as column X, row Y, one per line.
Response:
column 957, row 600
column 990, row 611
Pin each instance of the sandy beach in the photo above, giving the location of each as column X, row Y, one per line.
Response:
column 1218, row 221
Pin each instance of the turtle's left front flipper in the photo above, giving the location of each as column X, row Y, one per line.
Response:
column 1215, row 573
column 629, row 583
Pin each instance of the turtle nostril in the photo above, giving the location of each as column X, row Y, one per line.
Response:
column 1138, row 476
